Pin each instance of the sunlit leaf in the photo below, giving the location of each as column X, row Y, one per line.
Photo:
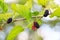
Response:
column 56, row 13
column 30, row 25
column 52, row 5
column 5, row 16
column 43, row 2
column 22, row 1
column 3, row 6
column 29, row 4
column 41, row 13
column 35, row 13
column 13, row 6
column 39, row 21
column 2, row 0
column 22, row 10
column 14, row 32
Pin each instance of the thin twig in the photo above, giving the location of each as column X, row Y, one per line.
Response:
column 21, row 19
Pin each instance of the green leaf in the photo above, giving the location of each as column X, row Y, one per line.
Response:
column 52, row 5
column 14, row 32
column 22, row 1
column 56, row 13
column 22, row 10
column 5, row 16
column 43, row 2
column 39, row 21
column 35, row 13
column 13, row 6
column 3, row 6
column 1, row 0
column 30, row 25
column 41, row 13
column 28, row 4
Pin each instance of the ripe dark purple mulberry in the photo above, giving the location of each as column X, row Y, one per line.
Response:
column 36, row 25
column 9, row 20
column 46, row 13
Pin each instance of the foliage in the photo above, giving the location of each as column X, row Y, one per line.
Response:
column 23, row 9
column 14, row 32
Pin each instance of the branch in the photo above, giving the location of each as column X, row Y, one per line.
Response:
column 20, row 19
